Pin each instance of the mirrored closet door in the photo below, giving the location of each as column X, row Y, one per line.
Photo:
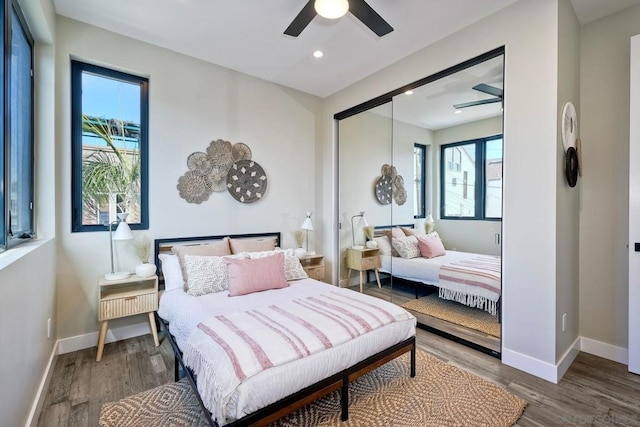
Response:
column 428, row 162
column 365, row 147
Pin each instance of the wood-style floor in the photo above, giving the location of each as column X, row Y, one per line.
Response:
column 593, row 392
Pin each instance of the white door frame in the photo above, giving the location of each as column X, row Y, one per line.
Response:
column 634, row 208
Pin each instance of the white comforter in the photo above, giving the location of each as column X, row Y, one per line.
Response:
column 185, row 312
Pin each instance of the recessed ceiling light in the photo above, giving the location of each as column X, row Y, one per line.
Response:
column 409, row 92
column 458, row 111
column 318, row 54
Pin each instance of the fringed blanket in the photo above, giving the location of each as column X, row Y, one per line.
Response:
column 474, row 282
column 227, row 349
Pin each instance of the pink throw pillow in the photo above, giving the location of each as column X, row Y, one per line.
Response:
column 255, row 275
column 430, row 246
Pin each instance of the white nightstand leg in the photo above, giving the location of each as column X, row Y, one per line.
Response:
column 378, row 278
column 103, row 333
column 154, row 331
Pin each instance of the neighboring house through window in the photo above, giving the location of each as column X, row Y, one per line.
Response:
column 16, row 155
column 110, row 147
column 477, row 164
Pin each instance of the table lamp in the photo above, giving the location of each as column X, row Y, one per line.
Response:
column 123, row 232
column 306, row 226
column 361, row 223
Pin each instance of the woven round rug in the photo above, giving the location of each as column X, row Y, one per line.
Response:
column 168, row 405
column 454, row 312
column 440, row 395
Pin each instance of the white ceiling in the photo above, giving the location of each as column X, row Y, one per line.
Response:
column 247, row 36
column 590, row 10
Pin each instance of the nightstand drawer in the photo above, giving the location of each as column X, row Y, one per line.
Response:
column 315, row 272
column 370, row 263
column 127, row 306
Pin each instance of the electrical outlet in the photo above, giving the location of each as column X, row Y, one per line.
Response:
column 49, row 328
column 564, row 322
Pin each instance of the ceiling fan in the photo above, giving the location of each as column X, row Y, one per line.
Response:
column 496, row 92
column 359, row 8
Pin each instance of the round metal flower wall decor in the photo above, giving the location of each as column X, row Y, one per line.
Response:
column 223, row 167
column 390, row 186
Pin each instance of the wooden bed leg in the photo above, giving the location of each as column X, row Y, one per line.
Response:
column 344, row 398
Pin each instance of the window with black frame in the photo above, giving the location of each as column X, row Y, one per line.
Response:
column 16, row 165
column 110, row 147
column 471, row 179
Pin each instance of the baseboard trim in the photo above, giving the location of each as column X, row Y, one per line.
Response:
column 604, row 350
column 80, row 342
column 567, row 358
column 530, row 365
column 34, row 413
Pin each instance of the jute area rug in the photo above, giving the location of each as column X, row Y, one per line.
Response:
column 454, row 312
column 440, row 395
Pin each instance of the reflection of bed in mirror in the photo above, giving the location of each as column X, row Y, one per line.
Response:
column 468, row 278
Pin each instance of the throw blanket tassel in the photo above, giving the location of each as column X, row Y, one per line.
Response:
column 469, row 300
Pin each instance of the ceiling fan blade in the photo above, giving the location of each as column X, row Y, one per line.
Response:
column 491, row 90
column 474, row 103
column 369, row 17
column 301, row 21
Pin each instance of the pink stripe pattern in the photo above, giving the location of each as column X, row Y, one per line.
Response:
column 350, row 330
column 227, row 349
column 258, row 352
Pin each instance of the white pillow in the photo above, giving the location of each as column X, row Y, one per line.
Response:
column 207, row 274
column 293, row 270
column 171, row 271
column 407, row 247
column 383, row 244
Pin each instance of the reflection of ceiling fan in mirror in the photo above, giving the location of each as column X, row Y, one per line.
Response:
column 333, row 9
column 496, row 92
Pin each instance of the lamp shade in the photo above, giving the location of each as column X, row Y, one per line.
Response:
column 331, row 9
column 362, row 222
column 429, row 218
column 307, row 225
column 123, row 232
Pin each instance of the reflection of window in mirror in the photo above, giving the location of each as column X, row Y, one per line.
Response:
column 478, row 161
column 419, row 181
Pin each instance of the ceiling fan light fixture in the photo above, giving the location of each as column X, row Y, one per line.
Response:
column 331, row 9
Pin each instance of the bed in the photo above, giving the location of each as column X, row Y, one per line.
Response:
column 468, row 278
column 193, row 326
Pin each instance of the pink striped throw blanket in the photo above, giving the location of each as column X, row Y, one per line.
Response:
column 226, row 350
column 474, row 282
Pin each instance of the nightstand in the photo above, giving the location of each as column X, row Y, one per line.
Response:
column 363, row 260
column 126, row 297
column 314, row 266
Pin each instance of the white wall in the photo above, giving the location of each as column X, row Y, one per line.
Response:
column 604, row 130
column 568, row 198
column 27, row 273
column 529, row 32
column 26, row 304
column 467, row 236
column 190, row 104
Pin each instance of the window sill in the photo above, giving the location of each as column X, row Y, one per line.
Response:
column 14, row 254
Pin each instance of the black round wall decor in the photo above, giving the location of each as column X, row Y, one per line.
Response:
column 571, row 166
